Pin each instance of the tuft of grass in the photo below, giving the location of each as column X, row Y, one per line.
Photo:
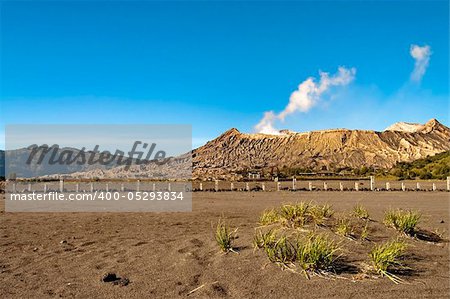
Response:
column 403, row 221
column 365, row 232
column 316, row 253
column 321, row 213
column 344, row 228
column 295, row 215
column 269, row 217
column 385, row 257
column 282, row 252
column 360, row 212
column 225, row 236
column 264, row 239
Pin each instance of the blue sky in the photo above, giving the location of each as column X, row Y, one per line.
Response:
column 222, row 64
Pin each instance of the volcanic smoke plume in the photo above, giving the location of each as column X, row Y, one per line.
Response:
column 421, row 56
column 305, row 97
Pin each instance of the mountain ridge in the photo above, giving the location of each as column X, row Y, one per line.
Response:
column 232, row 154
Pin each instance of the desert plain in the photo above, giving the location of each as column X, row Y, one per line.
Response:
column 175, row 255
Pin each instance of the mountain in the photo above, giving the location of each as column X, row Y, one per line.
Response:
column 74, row 163
column 17, row 162
column 234, row 154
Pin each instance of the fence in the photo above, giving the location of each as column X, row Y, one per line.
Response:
column 369, row 184
column 112, row 186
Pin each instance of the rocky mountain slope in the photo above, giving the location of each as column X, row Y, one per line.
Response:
column 234, row 152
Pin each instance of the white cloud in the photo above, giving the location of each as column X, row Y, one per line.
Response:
column 422, row 57
column 305, row 97
column 265, row 125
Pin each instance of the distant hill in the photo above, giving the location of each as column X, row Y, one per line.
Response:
column 435, row 167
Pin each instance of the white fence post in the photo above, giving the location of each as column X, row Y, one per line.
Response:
column 29, row 187
column 278, row 186
column 372, row 183
column 107, row 187
column 45, row 188
column 77, row 187
column 263, row 187
column 231, row 186
column 138, row 185
column 448, row 183
column 216, row 185
column 201, row 186
column 325, row 186
column 417, row 186
column 310, row 186
column 403, row 186
column 356, row 186
column 434, row 186
column 61, row 185
column 14, row 187
column 122, row 187
column 341, row 186
column 247, row 187
column 293, row 183
column 92, row 187
column 388, row 186
column 169, row 187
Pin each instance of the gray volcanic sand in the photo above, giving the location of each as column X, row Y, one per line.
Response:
column 170, row 254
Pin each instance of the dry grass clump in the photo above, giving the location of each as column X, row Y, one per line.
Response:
column 225, row 236
column 269, row 217
column 312, row 254
column 360, row 212
column 316, row 253
column 365, row 232
column 385, row 258
column 300, row 214
column 344, row 228
column 321, row 213
column 264, row 239
column 295, row 215
column 403, row 221
column 282, row 252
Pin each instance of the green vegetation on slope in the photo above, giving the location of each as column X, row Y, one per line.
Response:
column 435, row 167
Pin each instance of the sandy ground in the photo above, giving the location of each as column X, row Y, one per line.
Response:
column 168, row 255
